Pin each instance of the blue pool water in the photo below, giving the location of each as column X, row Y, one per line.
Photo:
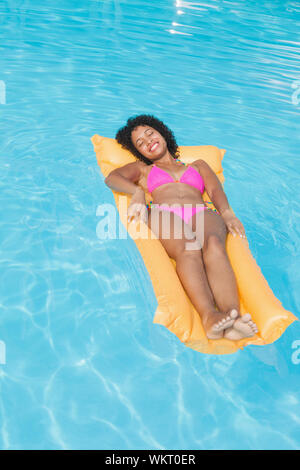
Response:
column 82, row 366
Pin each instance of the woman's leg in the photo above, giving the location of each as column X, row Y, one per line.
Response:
column 220, row 274
column 190, row 270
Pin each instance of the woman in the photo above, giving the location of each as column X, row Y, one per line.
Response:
column 206, row 274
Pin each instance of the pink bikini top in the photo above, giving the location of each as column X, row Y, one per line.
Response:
column 157, row 177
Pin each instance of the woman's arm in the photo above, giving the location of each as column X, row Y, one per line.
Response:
column 218, row 197
column 123, row 179
column 213, row 187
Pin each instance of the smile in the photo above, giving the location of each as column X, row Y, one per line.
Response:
column 153, row 146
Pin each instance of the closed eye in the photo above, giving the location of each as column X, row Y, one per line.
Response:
column 147, row 133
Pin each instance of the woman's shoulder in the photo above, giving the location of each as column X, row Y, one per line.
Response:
column 199, row 162
column 133, row 170
column 202, row 166
column 136, row 164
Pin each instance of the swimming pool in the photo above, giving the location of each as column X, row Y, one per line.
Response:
column 82, row 366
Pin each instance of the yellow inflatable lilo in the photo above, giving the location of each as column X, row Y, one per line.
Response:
column 174, row 310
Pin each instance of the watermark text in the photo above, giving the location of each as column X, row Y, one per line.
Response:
column 167, row 221
column 296, row 95
column 2, row 92
column 2, row 352
column 296, row 353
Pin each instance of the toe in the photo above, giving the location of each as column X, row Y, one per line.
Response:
column 233, row 314
column 216, row 327
column 246, row 318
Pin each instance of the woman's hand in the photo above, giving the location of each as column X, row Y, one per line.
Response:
column 233, row 224
column 137, row 208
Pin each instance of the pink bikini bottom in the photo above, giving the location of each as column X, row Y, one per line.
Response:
column 184, row 212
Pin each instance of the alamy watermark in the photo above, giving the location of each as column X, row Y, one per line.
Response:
column 160, row 223
column 296, row 95
column 2, row 92
column 296, row 353
column 2, row 352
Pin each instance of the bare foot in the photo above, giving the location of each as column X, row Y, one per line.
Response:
column 243, row 327
column 215, row 322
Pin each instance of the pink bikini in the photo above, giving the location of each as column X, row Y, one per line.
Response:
column 157, row 177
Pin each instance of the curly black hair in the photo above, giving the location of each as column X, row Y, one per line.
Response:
column 123, row 135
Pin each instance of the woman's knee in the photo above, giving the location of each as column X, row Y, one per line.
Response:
column 178, row 248
column 190, row 248
column 214, row 245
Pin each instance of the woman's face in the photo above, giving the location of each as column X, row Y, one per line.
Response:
column 149, row 142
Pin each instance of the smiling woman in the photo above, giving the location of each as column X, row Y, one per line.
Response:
column 203, row 266
column 139, row 141
column 175, row 309
column 151, row 124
